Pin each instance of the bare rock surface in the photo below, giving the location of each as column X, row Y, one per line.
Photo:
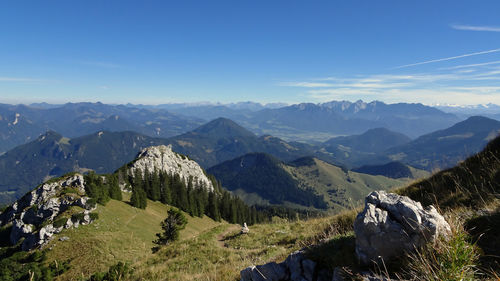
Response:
column 296, row 267
column 162, row 158
column 391, row 225
column 33, row 215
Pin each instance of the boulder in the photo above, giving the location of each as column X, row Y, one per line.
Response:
column 391, row 225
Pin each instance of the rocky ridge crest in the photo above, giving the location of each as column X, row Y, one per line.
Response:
column 34, row 217
column 162, row 158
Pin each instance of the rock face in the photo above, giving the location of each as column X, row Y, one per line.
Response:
column 295, row 268
column 162, row 158
column 391, row 225
column 33, row 215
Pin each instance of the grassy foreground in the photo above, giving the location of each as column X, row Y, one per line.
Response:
column 221, row 252
column 122, row 233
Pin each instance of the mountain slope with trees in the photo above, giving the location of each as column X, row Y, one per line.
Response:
column 259, row 178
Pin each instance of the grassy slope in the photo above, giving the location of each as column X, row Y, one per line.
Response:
column 340, row 189
column 122, row 233
column 206, row 258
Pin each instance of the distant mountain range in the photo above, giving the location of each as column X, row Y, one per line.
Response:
column 300, row 122
column 308, row 121
column 222, row 139
column 464, row 111
column 20, row 124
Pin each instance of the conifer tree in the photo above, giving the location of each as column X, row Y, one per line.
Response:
column 155, row 186
column 138, row 198
column 171, row 226
column 114, row 188
column 166, row 189
column 201, row 199
column 147, row 183
column 213, row 209
column 193, row 207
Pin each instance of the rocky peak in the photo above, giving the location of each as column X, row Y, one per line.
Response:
column 32, row 217
column 162, row 158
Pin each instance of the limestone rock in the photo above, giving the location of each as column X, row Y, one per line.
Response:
column 244, row 229
column 295, row 268
column 32, row 215
column 391, row 225
column 273, row 271
column 19, row 230
column 162, row 158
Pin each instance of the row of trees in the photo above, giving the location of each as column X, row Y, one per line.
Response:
column 102, row 187
column 189, row 195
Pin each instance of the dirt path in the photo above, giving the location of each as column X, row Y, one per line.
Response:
column 220, row 237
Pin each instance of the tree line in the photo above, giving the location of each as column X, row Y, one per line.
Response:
column 189, row 195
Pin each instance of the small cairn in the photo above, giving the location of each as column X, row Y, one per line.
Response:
column 244, row 229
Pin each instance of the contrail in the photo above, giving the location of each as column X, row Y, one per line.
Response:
column 450, row 58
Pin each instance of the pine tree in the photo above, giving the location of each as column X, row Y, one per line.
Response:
column 137, row 179
column 114, row 188
column 155, row 186
column 213, row 209
column 183, row 197
column 225, row 205
column 201, row 199
column 176, row 181
column 139, row 198
column 233, row 218
column 147, row 183
column 171, row 226
column 166, row 189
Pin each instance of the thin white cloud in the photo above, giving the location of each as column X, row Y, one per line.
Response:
column 461, row 86
column 449, row 58
column 471, row 65
column 306, row 84
column 466, row 95
column 475, row 27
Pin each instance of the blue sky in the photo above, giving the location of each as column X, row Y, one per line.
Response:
column 154, row 52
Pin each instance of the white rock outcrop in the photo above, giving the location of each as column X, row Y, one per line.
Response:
column 391, row 225
column 32, row 216
column 162, row 158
